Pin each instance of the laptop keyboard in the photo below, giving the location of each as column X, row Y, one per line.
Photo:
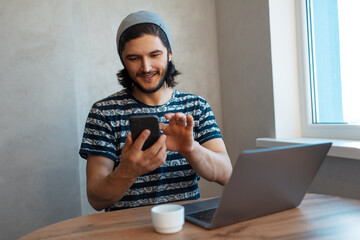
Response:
column 205, row 216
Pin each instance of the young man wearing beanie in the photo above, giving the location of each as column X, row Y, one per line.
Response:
column 119, row 173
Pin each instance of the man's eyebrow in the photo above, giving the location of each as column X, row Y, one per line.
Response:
column 131, row 55
column 137, row 55
column 156, row 51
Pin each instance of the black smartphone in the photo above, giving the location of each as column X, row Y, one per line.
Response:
column 139, row 123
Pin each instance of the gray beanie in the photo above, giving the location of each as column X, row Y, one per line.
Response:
column 142, row 17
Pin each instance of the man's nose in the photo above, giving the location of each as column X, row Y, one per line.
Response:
column 146, row 65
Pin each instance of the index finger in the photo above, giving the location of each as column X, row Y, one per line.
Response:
column 169, row 115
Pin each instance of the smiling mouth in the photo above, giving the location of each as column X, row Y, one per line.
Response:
column 147, row 76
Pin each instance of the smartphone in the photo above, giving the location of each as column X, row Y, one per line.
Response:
column 138, row 123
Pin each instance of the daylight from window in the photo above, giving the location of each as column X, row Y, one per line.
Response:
column 349, row 34
column 334, row 52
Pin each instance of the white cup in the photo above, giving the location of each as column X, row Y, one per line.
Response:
column 168, row 218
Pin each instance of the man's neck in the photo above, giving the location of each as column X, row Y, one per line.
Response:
column 160, row 97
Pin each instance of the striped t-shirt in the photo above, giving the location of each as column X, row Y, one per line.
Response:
column 105, row 132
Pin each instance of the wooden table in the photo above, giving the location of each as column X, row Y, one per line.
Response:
column 318, row 217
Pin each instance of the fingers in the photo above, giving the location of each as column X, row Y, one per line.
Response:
column 140, row 161
column 169, row 115
column 155, row 148
column 160, row 156
column 172, row 120
column 155, row 156
column 189, row 121
column 128, row 142
column 163, row 126
column 180, row 119
column 138, row 144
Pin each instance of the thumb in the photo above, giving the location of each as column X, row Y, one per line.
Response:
column 163, row 126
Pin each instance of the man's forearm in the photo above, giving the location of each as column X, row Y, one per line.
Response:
column 211, row 165
column 107, row 191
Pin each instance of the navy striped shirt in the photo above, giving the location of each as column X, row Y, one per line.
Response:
column 105, row 132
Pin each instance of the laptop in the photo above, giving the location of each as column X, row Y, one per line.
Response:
column 264, row 181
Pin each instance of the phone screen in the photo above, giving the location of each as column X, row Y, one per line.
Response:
column 138, row 123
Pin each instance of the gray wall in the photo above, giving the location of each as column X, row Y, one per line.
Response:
column 339, row 177
column 39, row 174
column 245, row 70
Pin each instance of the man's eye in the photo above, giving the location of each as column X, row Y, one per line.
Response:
column 155, row 55
column 132, row 58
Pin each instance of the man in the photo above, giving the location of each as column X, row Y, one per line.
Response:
column 119, row 174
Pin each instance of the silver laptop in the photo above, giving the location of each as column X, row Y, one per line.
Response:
column 264, row 181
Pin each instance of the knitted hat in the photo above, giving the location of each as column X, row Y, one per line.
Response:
column 142, row 17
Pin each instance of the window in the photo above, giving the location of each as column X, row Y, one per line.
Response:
column 333, row 40
column 331, row 50
column 291, row 83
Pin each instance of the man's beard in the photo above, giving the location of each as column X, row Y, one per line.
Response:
column 152, row 90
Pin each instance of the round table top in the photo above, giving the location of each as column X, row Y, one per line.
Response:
column 317, row 217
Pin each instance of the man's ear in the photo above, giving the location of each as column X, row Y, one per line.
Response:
column 170, row 55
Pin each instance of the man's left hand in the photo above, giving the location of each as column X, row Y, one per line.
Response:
column 179, row 133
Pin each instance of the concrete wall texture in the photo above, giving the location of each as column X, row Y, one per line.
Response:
column 59, row 57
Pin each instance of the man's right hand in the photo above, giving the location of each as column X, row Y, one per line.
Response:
column 105, row 187
column 135, row 162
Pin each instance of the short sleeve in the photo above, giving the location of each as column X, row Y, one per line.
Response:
column 98, row 138
column 207, row 128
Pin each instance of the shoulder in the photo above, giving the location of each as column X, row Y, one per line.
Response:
column 117, row 99
column 188, row 97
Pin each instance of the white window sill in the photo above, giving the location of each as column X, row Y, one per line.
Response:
column 340, row 148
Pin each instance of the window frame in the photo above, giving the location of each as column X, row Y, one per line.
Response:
column 309, row 129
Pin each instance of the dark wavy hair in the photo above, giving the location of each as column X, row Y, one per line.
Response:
column 137, row 31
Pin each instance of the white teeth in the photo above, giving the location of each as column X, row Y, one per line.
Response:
column 149, row 76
